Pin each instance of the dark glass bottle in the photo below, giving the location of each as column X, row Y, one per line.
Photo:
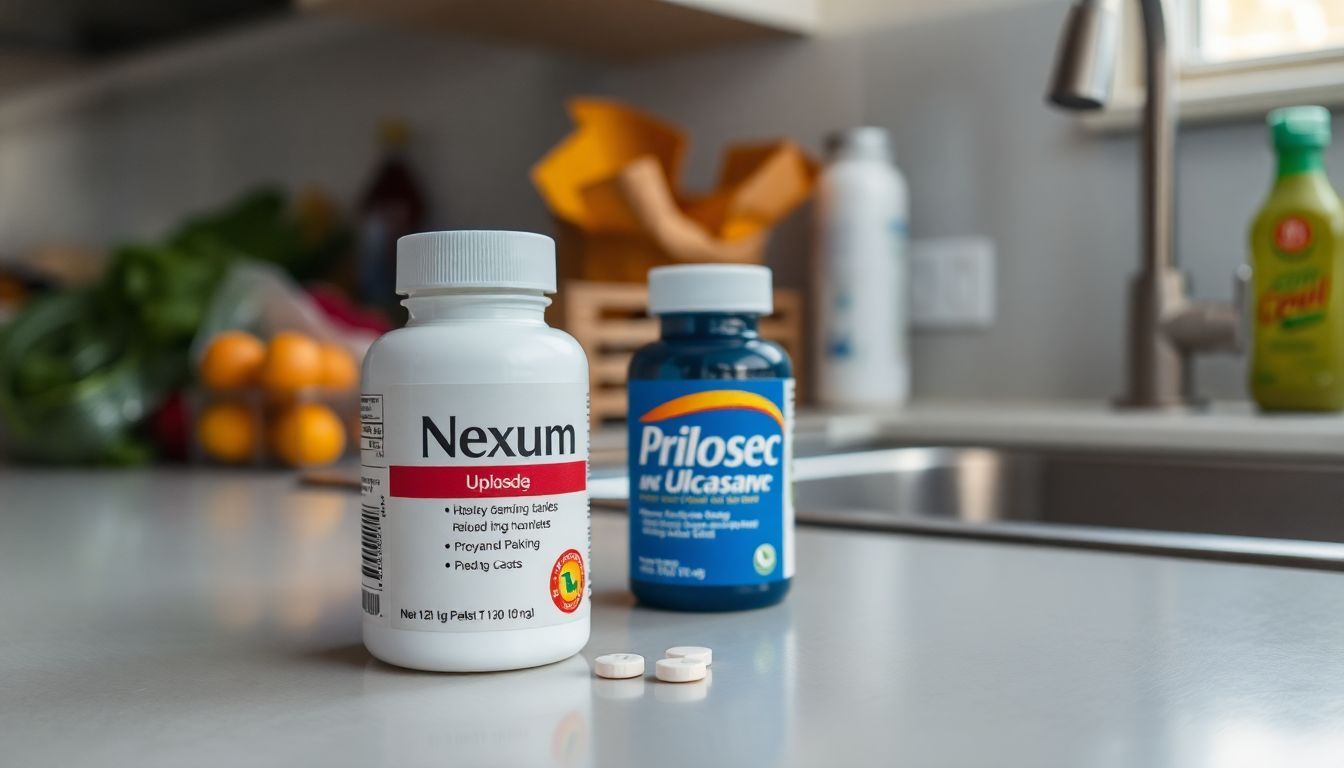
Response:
column 392, row 205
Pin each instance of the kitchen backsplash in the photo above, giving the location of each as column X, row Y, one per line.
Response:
column 962, row 96
column 304, row 109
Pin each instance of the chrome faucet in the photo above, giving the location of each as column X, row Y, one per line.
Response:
column 1166, row 327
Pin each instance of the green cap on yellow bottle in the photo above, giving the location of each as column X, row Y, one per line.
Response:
column 1300, row 127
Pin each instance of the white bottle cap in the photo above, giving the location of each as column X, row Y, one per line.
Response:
column 476, row 259
column 679, row 670
column 867, row 142
column 696, row 652
column 710, row 288
column 618, row 666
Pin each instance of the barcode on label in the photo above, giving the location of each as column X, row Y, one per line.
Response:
column 371, row 544
column 371, row 601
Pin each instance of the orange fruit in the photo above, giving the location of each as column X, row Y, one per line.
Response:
column 339, row 371
column 232, row 360
column 308, row 434
column 293, row 363
column 227, row 432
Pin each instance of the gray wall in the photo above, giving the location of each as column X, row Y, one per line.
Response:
column 962, row 95
column 985, row 155
column 303, row 110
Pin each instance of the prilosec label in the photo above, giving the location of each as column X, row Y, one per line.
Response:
column 711, row 502
column 475, row 506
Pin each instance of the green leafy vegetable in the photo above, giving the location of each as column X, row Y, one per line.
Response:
column 80, row 371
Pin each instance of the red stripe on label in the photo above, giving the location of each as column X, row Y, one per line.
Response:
column 487, row 482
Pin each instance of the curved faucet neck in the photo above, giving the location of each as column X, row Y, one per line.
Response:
column 1159, row 141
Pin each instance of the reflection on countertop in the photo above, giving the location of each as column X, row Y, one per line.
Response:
column 205, row 618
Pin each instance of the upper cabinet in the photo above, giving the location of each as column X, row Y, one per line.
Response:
column 99, row 28
column 613, row 29
column 58, row 52
column 46, row 41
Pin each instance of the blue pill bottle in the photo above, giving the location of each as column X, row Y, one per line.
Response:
column 711, row 445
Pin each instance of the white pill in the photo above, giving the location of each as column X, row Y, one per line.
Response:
column 679, row 670
column 699, row 653
column 619, row 666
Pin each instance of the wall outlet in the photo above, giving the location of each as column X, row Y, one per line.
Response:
column 952, row 283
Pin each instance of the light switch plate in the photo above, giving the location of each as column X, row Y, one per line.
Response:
column 952, row 283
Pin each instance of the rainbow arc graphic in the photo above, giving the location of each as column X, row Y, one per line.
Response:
column 713, row 400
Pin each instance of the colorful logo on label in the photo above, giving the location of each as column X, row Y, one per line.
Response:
column 713, row 400
column 764, row 559
column 567, row 581
column 1294, row 301
column 1292, row 235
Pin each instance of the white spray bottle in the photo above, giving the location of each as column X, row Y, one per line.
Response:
column 861, row 266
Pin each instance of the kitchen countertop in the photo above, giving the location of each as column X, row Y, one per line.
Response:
column 198, row 617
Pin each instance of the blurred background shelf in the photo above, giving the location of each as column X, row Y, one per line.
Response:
column 616, row 29
column 60, row 52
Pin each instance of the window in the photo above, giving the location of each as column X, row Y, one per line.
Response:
column 1237, row 58
column 1246, row 30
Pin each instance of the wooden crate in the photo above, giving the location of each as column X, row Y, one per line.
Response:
column 610, row 322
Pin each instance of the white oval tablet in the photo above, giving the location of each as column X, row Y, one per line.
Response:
column 699, row 653
column 619, row 666
column 679, row 670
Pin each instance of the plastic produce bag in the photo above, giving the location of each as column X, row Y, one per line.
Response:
column 261, row 299
column 265, row 390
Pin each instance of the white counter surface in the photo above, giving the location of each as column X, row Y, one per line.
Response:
column 177, row 618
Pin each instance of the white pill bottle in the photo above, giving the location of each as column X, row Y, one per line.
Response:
column 474, row 447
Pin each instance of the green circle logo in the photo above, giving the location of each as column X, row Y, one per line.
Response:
column 764, row 560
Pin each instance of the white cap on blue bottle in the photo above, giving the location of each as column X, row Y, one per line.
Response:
column 743, row 288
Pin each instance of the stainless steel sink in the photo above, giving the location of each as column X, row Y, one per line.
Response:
column 1253, row 509
column 1245, row 508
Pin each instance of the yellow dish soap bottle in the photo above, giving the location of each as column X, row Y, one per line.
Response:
column 1297, row 243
